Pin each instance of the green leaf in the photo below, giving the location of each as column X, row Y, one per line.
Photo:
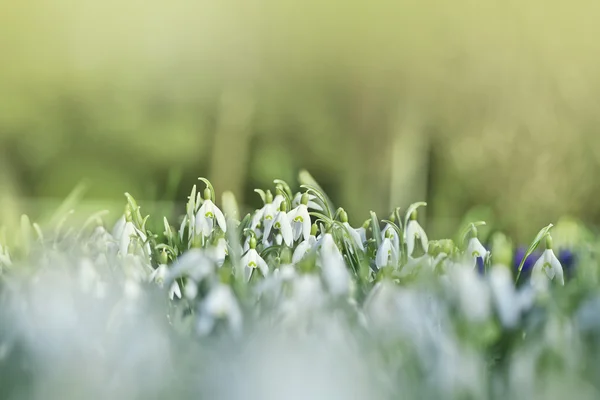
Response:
column 305, row 178
column 262, row 195
column 376, row 228
column 543, row 232
column 285, row 186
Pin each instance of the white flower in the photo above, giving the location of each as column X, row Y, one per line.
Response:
column 267, row 213
column 220, row 303
column 282, row 224
column 335, row 272
column 219, row 251
column 206, row 216
column 252, row 260
column 392, row 232
column 303, row 249
column 476, row 250
column 354, row 235
column 129, row 235
column 387, row 254
column 159, row 276
column 362, row 234
column 300, row 222
column 547, row 266
column 415, row 231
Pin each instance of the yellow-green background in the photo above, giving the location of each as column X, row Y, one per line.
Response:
column 462, row 103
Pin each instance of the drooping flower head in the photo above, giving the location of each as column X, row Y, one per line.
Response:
column 252, row 260
column 414, row 232
column 547, row 267
column 208, row 214
column 300, row 219
column 281, row 225
column 388, row 252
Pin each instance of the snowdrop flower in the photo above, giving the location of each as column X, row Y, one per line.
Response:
column 219, row 252
column 282, row 224
column 362, row 232
column 129, row 236
column 394, row 237
column 547, row 267
column 300, row 219
column 219, row 304
column 267, row 213
column 252, row 260
column 415, row 231
column 387, row 253
column 311, row 203
column 207, row 214
column 476, row 250
column 303, row 249
column 335, row 272
column 158, row 276
column 351, row 231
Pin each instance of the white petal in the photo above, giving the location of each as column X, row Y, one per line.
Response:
column 355, row 236
column 220, row 218
column 277, row 201
column 362, row 233
column 383, row 253
column 302, row 249
column 257, row 217
column 248, row 273
column 175, row 291
column 410, row 236
column 262, row 265
column 538, row 276
column 557, row 269
column 286, row 230
column 423, row 237
column 268, row 226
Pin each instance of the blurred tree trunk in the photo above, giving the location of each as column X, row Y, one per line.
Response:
column 409, row 162
column 232, row 142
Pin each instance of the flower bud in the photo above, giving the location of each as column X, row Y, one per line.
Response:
column 163, row 257
column 548, row 241
column 314, row 229
column 343, row 215
column 305, row 198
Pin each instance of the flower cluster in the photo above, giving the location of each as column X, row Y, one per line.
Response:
column 298, row 260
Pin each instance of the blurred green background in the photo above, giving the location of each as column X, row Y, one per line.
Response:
column 466, row 103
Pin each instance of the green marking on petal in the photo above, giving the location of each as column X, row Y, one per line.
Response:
column 209, row 215
column 252, row 264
